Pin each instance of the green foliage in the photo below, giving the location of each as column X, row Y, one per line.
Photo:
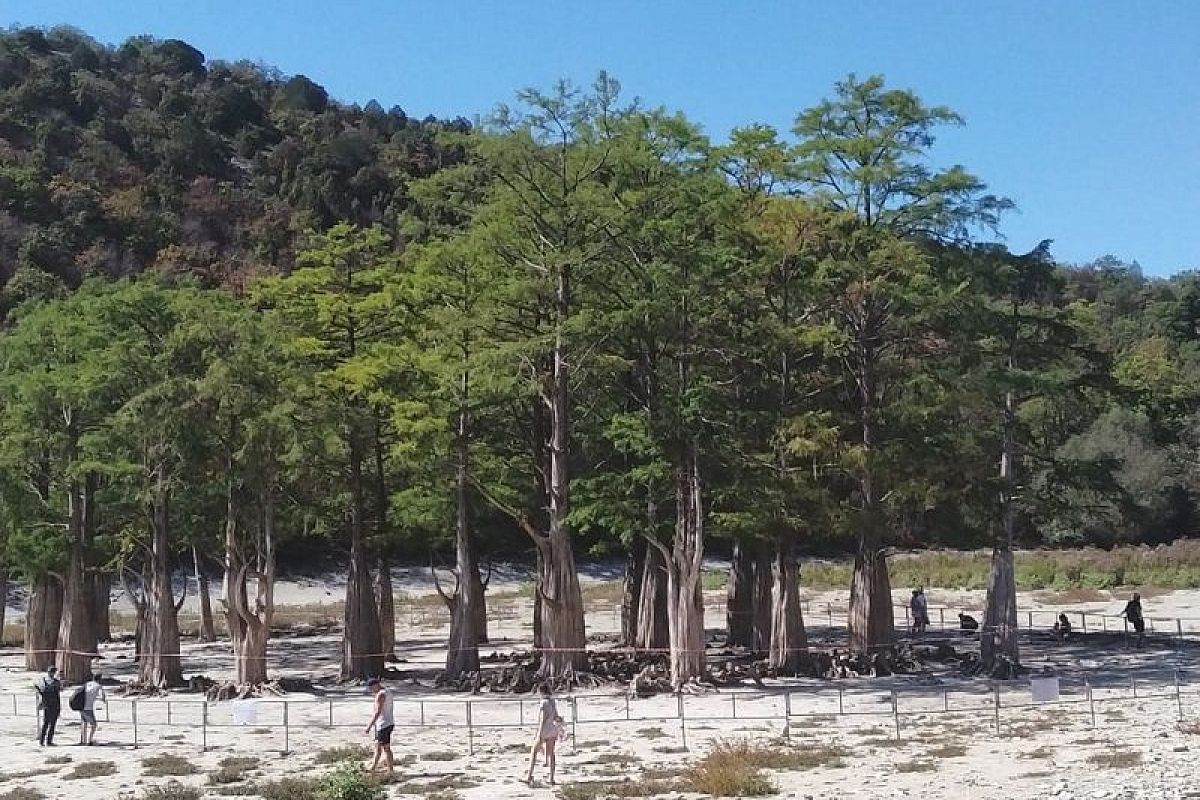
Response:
column 349, row 782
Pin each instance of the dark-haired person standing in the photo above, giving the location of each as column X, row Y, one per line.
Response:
column 49, row 691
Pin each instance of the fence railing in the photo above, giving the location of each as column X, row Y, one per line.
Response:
column 146, row 722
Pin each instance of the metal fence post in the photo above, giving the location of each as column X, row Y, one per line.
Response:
column 204, row 726
column 168, row 712
column 1133, row 684
column 787, row 716
column 1179, row 628
column 1083, row 616
column 422, row 704
column 1091, row 700
column 627, row 705
column 135, row 727
column 946, row 700
column 942, row 617
column 841, row 705
column 574, row 720
column 470, row 731
column 682, row 723
column 331, row 713
column 1030, row 620
column 733, row 697
column 286, row 737
column 996, row 694
column 896, row 714
column 1178, row 696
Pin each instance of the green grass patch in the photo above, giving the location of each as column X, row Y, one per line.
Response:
column 22, row 793
column 947, row 751
column 334, row 755
column 172, row 790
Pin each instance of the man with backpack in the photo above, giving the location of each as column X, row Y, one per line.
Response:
column 83, row 700
column 50, row 702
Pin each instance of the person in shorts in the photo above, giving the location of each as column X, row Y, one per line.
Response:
column 92, row 690
column 550, row 726
column 383, row 723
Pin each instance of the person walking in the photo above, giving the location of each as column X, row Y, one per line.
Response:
column 49, row 695
column 550, row 726
column 383, row 722
column 1133, row 615
column 92, row 691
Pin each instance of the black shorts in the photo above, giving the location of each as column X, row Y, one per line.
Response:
column 1138, row 624
column 384, row 735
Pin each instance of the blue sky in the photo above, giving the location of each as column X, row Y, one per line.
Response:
column 1086, row 114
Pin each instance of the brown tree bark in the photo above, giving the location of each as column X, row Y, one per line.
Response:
column 999, row 635
column 685, row 603
column 631, row 584
column 789, row 644
column 739, row 602
column 652, row 632
column 249, row 622
column 3, row 601
column 872, row 624
column 42, row 618
column 76, row 633
column 462, row 655
column 208, row 629
column 102, row 592
column 564, row 640
column 159, row 664
column 362, row 646
column 481, row 621
column 386, row 600
column 763, row 598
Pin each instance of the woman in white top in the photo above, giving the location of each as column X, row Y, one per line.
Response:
column 550, row 725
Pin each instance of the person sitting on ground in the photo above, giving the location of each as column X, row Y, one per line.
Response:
column 92, row 690
column 383, row 723
column 1062, row 628
column 49, row 700
column 550, row 725
column 1133, row 615
column 967, row 623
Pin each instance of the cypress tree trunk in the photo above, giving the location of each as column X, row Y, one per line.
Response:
column 631, row 584
column 564, row 640
column 362, row 647
column 652, row 631
column 102, row 592
column 871, row 620
column 763, row 600
column 739, row 603
column 160, row 663
column 788, row 640
column 462, row 655
column 3, row 601
column 41, row 622
column 685, row 608
column 76, row 633
column 208, row 630
column 481, row 622
column 387, row 609
column 999, row 634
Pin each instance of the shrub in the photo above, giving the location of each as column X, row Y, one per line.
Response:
column 439, row 755
column 91, row 769
column 22, row 793
column 334, row 755
column 59, row 760
column 288, row 789
column 167, row 765
column 172, row 790
column 348, row 782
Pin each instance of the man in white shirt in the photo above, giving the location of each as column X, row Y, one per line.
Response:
column 382, row 723
column 91, row 691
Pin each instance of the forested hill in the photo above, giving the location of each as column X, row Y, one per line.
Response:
column 147, row 156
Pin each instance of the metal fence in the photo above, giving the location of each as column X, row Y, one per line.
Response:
column 143, row 722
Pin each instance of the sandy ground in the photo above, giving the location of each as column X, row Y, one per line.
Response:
column 1048, row 750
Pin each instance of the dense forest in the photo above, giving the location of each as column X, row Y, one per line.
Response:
column 238, row 315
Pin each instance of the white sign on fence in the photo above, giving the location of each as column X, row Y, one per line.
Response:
column 1044, row 690
column 245, row 712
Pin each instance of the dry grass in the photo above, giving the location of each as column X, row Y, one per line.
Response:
column 947, row 751
column 91, row 769
column 172, row 790
column 1045, row 751
column 651, row 733
column 287, row 789
column 167, row 765
column 59, row 760
column 440, row 755
column 621, row 759
column 1117, row 759
column 22, row 793
column 920, row 765
column 1071, row 597
column 333, row 755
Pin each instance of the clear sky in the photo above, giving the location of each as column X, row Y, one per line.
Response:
column 1086, row 114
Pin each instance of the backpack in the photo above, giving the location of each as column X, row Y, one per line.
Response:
column 77, row 699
